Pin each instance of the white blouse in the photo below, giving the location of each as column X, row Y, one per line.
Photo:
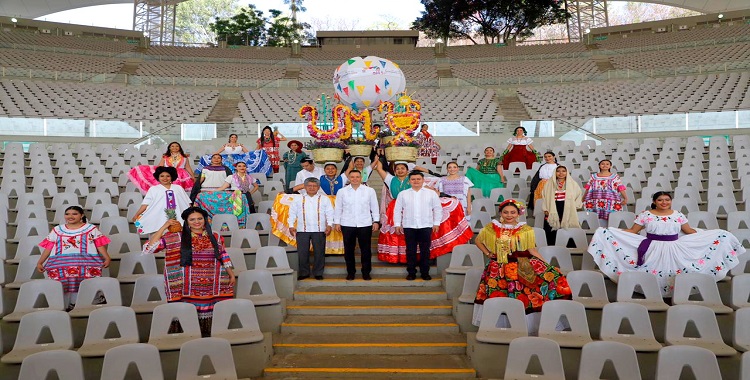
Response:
column 522, row 141
column 547, row 171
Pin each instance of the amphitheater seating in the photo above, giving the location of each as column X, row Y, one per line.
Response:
column 202, row 53
column 705, row 55
column 39, row 60
column 485, row 51
column 25, row 40
column 105, row 101
column 522, row 68
column 685, row 37
column 209, row 70
column 720, row 92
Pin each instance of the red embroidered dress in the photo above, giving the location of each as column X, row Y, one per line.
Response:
column 204, row 283
column 73, row 256
column 272, row 150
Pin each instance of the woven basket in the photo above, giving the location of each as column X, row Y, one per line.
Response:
column 386, row 140
column 360, row 150
column 323, row 155
column 401, row 153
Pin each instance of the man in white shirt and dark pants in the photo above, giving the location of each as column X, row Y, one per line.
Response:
column 417, row 214
column 357, row 216
column 311, row 220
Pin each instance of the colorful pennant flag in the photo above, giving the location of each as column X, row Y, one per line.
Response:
column 382, row 63
column 366, row 103
column 351, row 84
column 361, row 89
column 351, row 61
column 377, row 89
column 368, row 63
column 346, row 91
column 386, row 83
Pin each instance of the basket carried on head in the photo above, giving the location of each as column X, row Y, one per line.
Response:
column 323, row 155
column 401, row 153
column 360, row 150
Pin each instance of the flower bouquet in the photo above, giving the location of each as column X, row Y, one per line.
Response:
column 326, row 150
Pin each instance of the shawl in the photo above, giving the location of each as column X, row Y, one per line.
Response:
column 573, row 201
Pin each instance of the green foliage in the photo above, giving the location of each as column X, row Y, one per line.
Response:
column 487, row 21
column 249, row 27
column 194, row 17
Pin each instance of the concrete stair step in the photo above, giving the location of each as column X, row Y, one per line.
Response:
column 366, row 307
column 377, row 269
column 370, row 366
column 373, row 324
column 379, row 281
column 337, row 293
column 371, row 344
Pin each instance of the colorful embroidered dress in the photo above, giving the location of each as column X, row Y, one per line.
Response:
column 514, row 272
column 519, row 152
column 712, row 252
column 458, row 188
column 602, row 195
column 73, row 256
column 453, row 230
column 428, row 146
column 143, row 175
column 486, row 178
column 272, row 150
column 257, row 161
column 158, row 199
column 202, row 284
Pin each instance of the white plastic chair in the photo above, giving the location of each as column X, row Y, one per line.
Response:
column 621, row 219
column 118, row 359
column 124, row 243
column 740, row 291
column 130, row 262
column 87, row 295
column 264, row 255
column 704, row 319
column 642, row 338
column 26, row 272
column 244, row 310
column 575, row 314
column 127, row 198
column 644, row 283
column 703, row 219
column 29, row 330
column 736, row 219
column 590, row 220
column 219, row 220
column 673, row 359
column 494, row 329
column 144, row 287
column 460, row 254
column 264, row 279
column 558, row 254
column 595, row 355
column 741, row 338
column 521, row 352
column 706, row 285
column 471, row 285
column 31, row 227
column 96, row 343
column 31, row 292
column 66, row 364
column 251, row 237
column 258, row 218
column 163, row 316
column 484, row 204
column 594, row 281
column 219, row 352
column 107, row 225
column 101, row 211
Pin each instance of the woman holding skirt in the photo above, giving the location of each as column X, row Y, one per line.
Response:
column 489, row 173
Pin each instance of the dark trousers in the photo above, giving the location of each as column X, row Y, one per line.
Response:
column 421, row 237
column 351, row 236
column 318, row 240
column 550, row 234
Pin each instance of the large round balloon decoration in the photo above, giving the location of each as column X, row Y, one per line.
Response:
column 363, row 83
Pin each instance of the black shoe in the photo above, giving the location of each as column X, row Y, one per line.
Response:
column 426, row 277
column 366, row 277
column 349, row 277
column 318, row 278
column 411, row 277
column 300, row 278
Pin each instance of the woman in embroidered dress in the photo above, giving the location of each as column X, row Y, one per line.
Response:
column 544, row 173
column 293, row 162
column 515, row 268
column 237, row 202
column 605, row 193
column 662, row 252
column 428, row 147
column 489, row 173
column 76, row 251
column 268, row 142
column 519, row 149
column 174, row 157
column 197, row 268
column 211, row 176
column 561, row 201
column 163, row 201
column 453, row 230
column 257, row 161
column 456, row 186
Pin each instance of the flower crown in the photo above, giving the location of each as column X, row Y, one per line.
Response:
column 521, row 206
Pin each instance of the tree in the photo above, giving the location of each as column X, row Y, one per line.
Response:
column 194, row 17
column 492, row 21
column 248, row 27
column 282, row 30
column 294, row 7
column 634, row 12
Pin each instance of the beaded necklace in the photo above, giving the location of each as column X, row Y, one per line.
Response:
column 560, row 184
column 292, row 155
column 304, row 214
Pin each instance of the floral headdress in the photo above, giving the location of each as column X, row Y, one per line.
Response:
column 521, row 206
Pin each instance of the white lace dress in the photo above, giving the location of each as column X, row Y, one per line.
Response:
column 712, row 252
